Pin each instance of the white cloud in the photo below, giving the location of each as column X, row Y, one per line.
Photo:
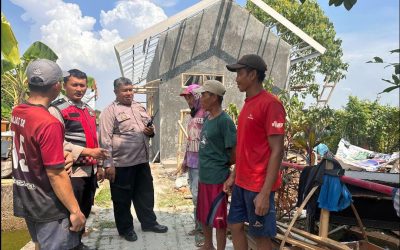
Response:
column 165, row 3
column 71, row 35
column 364, row 80
column 133, row 16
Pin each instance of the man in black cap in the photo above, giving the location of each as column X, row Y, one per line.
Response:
column 42, row 190
column 259, row 154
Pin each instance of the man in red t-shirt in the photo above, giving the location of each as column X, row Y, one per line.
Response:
column 42, row 190
column 259, row 154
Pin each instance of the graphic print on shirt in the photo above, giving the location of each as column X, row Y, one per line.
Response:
column 277, row 124
column 194, row 131
column 203, row 141
column 37, row 145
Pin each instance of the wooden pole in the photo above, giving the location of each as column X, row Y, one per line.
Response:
column 324, row 223
column 178, row 156
column 298, row 212
column 182, row 128
column 360, row 224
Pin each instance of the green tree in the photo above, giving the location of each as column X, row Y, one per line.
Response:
column 366, row 124
column 305, row 128
column 311, row 19
column 13, row 77
column 395, row 75
column 348, row 4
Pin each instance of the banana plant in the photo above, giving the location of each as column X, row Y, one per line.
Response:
column 14, row 86
column 312, row 129
column 233, row 112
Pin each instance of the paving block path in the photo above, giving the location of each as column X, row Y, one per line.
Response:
column 103, row 234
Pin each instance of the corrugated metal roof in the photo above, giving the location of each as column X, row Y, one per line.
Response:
column 136, row 53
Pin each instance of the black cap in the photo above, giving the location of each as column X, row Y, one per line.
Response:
column 251, row 60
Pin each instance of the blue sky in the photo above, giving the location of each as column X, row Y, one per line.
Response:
column 83, row 33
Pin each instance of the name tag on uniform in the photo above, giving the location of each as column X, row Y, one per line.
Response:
column 122, row 117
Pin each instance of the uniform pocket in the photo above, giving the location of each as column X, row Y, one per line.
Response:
column 145, row 117
column 124, row 122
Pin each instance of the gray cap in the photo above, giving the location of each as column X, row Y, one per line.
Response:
column 212, row 86
column 46, row 72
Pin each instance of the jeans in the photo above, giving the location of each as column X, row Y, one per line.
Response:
column 193, row 180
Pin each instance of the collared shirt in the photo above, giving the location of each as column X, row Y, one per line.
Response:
column 121, row 132
column 75, row 150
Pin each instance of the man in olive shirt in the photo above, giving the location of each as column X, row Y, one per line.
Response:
column 216, row 155
column 124, row 132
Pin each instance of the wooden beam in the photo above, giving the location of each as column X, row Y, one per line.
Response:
column 376, row 236
column 183, row 129
column 360, row 224
column 298, row 212
column 324, row 223
column 289, row 25
column 332, row 244
column 298, row 243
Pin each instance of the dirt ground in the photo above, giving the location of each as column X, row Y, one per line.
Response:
column 8, row 220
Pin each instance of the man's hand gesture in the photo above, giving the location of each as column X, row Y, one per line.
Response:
column 69, row 160
column 99, row 153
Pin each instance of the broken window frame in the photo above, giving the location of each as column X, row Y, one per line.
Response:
column 202, row 76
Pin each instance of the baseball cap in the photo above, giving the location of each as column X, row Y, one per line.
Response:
column 189, row 90
column 251, row 60
column 212, row 86
column 46, row 72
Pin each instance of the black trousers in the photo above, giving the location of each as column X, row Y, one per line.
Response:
column 133, row 184
column 84, row 190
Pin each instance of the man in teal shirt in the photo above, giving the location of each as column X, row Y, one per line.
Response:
column 216, row 155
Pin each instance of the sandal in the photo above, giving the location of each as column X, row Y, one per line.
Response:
column 199, row 240
column 193, row 232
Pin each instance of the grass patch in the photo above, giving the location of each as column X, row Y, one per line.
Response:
column 107, row 224
column 173, row 199
column 14, row 240
column 103, row 198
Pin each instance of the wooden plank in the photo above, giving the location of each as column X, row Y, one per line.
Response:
column 360, row 224
column 379, row 237
column 324, row 223
column 363, row 245
column 332, row 244
column 298, row 212
column 297, row 243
